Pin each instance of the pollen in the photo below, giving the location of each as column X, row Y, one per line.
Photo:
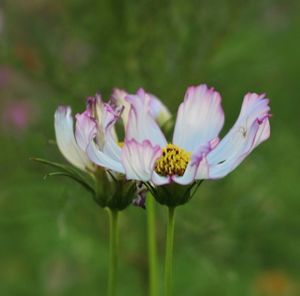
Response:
column 173, row 161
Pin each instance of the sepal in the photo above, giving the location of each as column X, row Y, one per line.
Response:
column 67, row 171
column 108, row 189
column 173, row 195
column 112, row 191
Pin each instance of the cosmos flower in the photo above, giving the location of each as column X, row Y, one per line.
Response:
column 95, row 135
column 196, row 152
column 97, row 122
column 18, row 115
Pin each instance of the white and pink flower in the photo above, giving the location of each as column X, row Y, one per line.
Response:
column 196, row 153
column 95, row 141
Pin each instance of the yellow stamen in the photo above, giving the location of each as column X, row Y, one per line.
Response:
column 173, row 161
column 121, row 144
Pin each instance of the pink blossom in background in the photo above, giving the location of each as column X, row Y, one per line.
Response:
column 18, row 116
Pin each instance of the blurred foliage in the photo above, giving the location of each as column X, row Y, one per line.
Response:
column 239, row 235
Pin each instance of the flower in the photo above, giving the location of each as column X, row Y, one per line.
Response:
column 196, row 152
column 95, row 135
column 96, row 122
column 18, row 115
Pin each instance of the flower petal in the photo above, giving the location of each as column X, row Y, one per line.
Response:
column 159, row 111
column 159, row 180
column 251, row 128
column 63, row 123
column 85, row 129
column 188, row 176
column 141, row 124
column 139, row 158
column 102, row 159
column 118, row 98
column 199, row 119
column 111, row 146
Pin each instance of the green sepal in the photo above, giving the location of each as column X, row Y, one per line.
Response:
column 65, row 174
column 108, row 190
column 116, row 193
column 173, row 195
column 69, row 172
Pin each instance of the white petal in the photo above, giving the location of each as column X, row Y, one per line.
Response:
column 63, row 123
column 199, row 119
column 102, row 159
column 199, row 161
column 202, row 169
column 263, row 133
column 160, row 180
column 251, row 128
column 118, row 97
column 188, row 176
column 139, row 158
column 85, row 129
column 159, row 111
column 141, row 124
column 111, row 147
column 96, row 107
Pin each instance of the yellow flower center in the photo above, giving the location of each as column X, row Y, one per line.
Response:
column 121, row 144
column 173, row 161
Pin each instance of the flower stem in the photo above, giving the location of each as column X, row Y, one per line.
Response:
column 113, row 253
column 169, row 252
column 152, row 253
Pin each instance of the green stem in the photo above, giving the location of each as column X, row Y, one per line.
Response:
column 169, row 252
column 113, row 253
column 152, row 253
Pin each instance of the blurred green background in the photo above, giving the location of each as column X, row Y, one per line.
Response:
column 239, row 235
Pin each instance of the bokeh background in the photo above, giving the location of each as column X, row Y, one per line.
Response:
column 239, row 235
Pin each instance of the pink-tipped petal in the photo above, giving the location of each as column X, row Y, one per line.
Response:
column 199, row 119
column 202, row 169
column 199, row 161
column 251, row 128
column 63, row 123
column 95, row 106
column 159, row 111
column 141, row 124
column 100, row 158
column 118, row 98
column 85, row 129
column 111, row 147
column 138, row 159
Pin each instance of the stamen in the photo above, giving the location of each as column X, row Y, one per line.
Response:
column 173, row 161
